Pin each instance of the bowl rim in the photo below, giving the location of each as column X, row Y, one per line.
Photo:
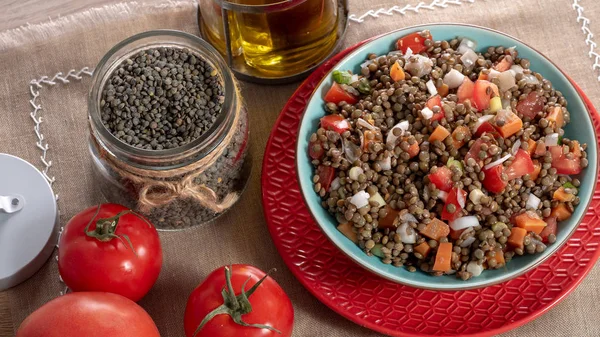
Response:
column 442, row 287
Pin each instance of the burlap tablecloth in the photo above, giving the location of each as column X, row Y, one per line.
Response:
column 241, row 236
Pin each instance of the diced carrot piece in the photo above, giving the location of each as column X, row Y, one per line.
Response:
column 440, row 133
column 482, row 76
column 561, row 195
column 371, row 136
column 347, row 230
column 516, row 237
column 507, row 123
column 576, row 148
column 537, row 168
column 532, row 144
column 443, row 257
column 443, row 90
column 467, row 135
column 504, row 64
column 436, row 229
column 388, row 220
column 499, row 257
column 397, row 73
column 556, row 116
column 413, row 150
column 422, row 249
column 530, row 222
column 561, row 212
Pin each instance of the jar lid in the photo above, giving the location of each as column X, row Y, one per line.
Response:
column 28, row 217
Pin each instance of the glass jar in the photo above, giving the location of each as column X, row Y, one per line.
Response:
column 182, row 186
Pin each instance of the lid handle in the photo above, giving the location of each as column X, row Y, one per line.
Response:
column 11, row 203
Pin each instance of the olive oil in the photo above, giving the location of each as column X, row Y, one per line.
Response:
column 278, row 43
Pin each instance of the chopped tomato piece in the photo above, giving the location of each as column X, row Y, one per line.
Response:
column 561, row 212
column 348, row 230
column 561, row 195
column 315, row 150
column 551, row 228
column 455, row 235
column 389, row 219
column 434, row 101
column 507, row 123
column 482, row 76
column 465, row 91
column 537, row 168
column 397, row 73
column 335, row 123
column 326, row 176
column 414, row 41
column 413, row 150
column 576, row 148
column 441, row 178
column 556, row 117
column 476, row 149
column 531, row 105
column 487, row 127
column 493, row 179
column 530, row 222
column 504, row 64
column 337, row 94
column 562, row 164
column 466, row 135
column 521, row 166
column 483, row 91
column 452, row 199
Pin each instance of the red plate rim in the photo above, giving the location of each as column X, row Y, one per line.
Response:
column 368, row 324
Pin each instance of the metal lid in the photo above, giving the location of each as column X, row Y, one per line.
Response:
column 28, row 217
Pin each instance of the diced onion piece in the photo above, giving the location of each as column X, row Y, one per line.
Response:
column 537, row 242
column 497, row 162
column 533, row 202
column 505, row 103
column 394, row 53
column 360, row 199
column 474, row 268
column 431, row 88
column 427, row 113
column 516, row 69
column 355, row 172
column 515, row 147
column 460, row 198
column 408, row 54
column 407, row 233
column 481, row 120
column 366, row 63
column 391, row 138
column 421, row 67
column 469, row 58
column 335, row 184
column 531, row 79
column 475, row 196
column 442, row 195
column 493, row 74
column 365, row 124
column 551, row 139
column 467, row 242
column 464, row 222
column 407, row 217
column 386, row 163
column 466, row 44
column 454, row 79
column 378, row 199
column 353, row 78
column 351, row 150
column 506, row 80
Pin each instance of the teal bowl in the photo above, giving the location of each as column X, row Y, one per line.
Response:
column 580, row 128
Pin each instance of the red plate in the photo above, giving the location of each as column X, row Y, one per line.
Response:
column 391, row 308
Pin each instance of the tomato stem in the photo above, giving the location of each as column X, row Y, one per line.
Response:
column 236, row 306
column 106, row 227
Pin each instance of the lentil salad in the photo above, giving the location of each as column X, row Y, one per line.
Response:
column 439, row 158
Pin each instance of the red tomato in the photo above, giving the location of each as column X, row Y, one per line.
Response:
column 335, row 123
column 486, row 127
column 483, row 91
column 453, row 199
column 315, row 152
column 326, row 176
column 521, row 166
column 442, row 178
column 475, row 149
column 493, row 179
column 455, row 235
column 432, row 102
column 337, row 94
column 562, row 164
column 267, row 306
column 531, row 105
column 89, row 314
column 110, row 248
column 414, row 41
column 550, row 228
column 465, row 91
